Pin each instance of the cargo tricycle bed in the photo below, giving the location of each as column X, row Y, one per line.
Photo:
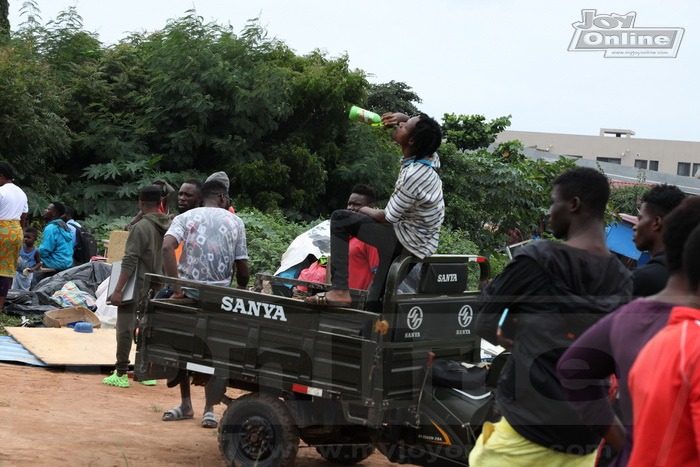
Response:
column 341, row 379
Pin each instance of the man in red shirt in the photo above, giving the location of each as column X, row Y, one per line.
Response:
column 665, row 381
column 363, row 259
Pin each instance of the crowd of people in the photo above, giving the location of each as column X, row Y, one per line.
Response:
column 20, row 259
column 206, row 243
column 602, row 364
column 602, row 368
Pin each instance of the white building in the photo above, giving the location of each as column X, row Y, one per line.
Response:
column 616, row 146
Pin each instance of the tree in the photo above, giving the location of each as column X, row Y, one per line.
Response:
column 627, row 199
column 4, row 21
column 248, row 105
column 30, row 27
column 369, row 156
column 33, row 131
column 471, row 132
column 393, row 97
column 90, row 124
column 489, row 193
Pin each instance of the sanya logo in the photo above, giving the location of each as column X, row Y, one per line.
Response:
column 465, row 316
column 253, row 308
column 414, row 318
column 617, row 36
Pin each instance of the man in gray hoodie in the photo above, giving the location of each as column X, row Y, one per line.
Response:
column 143, row 249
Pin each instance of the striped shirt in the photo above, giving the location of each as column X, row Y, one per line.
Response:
column 416, row 208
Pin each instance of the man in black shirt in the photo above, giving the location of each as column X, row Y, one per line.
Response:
column 651, row 278
column 553, row 292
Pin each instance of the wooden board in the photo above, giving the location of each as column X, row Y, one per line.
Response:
column 116, row 245
column 64, row 346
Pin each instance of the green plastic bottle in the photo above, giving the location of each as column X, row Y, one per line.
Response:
column 365, row 116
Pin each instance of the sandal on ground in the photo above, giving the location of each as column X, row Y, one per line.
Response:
column 175, row 414
column 209, row 420
column 321, row 300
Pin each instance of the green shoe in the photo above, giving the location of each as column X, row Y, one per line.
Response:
column 118, row 381
column 149, row 382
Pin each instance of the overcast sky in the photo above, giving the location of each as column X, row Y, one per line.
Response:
column 466, row 56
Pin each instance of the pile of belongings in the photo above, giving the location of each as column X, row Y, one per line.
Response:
column 77, row 286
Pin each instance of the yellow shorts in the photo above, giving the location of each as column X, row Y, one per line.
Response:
column 500, row 445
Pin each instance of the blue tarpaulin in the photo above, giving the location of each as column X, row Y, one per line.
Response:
column 13, row 351
column 619, row 240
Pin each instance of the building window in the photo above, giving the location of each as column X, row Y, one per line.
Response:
column 654, row 165
column 683, row 168
column 612, row 160
column 640, row 163
column 694, row 172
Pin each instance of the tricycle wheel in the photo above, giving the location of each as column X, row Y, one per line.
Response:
column 346, row 454
column 257, row 429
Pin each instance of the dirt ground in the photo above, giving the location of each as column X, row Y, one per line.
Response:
column 68, row 417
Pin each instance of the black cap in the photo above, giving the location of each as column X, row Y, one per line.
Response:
column 150, row 193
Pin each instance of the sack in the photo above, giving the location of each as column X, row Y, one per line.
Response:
column 85, row 246
column 314, row 273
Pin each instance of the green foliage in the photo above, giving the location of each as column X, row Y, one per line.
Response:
column 30, row 26
column 627, row 199
column 89, row 125
column 393, row 97
column 509, row 151
column 8, row 321
column 368, row 156
column 471, row 132
column 33, row 132
column 498, row 261
column 66, row 46
column 4, row 21
column 268, row 237
column 456, row 242
column 487, row 194
column 102, row 225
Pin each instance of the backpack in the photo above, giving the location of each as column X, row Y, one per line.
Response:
column 85, row 245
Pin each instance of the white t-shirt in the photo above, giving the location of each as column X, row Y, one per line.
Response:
column 13, row 202
column 213, row 239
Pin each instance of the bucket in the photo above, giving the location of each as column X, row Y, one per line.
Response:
column 82, row 326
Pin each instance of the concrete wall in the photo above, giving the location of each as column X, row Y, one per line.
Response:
column 668, row 153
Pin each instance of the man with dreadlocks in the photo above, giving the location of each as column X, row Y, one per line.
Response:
column 411, row 220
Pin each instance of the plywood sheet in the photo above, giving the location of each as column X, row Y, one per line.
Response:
column 116, row 245
column 64, row 346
